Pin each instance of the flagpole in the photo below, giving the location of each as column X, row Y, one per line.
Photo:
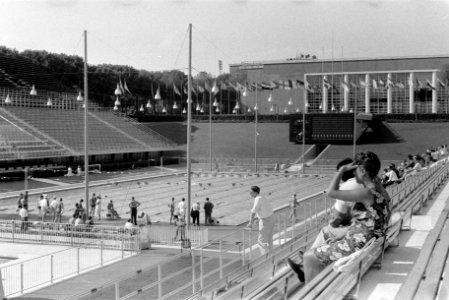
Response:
column 189, row 124
column 355, row 128
column 210, row 130
column 86, row 148
column 255, row 132
column 332, row 67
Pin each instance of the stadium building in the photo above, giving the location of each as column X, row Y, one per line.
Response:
column 391, row 85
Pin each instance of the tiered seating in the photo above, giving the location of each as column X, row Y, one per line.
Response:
column 23, row 73
column 67, row 127
column 18, row 143
column 134, row 129
column 429, row 277
column 7, row 81
column 330, row 284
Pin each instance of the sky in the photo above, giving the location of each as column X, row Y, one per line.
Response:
column 153, row 34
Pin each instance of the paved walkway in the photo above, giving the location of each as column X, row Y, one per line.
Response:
column 96, row 278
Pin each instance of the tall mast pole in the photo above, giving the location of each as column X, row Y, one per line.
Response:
column 189, row 124
column 86, row 105
column 255, row 131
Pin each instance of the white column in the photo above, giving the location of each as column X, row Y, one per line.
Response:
column 367, row 93
column 389, row 95
column 411, row 93
column 346, row 93
column 434, row 93
column 325, row 93
column 306, row 100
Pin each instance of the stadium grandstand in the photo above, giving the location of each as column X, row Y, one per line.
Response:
column 106, row 259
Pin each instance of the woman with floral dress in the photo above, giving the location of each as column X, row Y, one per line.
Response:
column 370, row 215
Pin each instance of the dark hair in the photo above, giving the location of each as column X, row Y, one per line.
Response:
column 255, row 189
column 369, row 161
column 348, row 174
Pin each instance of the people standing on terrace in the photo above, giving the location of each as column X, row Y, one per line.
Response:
column 23, row 213
column 25, row 200
column 370, row 216
column 43, row 204
column 195, row 213
column 93, row 202
column 20, row 202
column 171, row 205
column 293, row 206
column 264, row 212
column 53, row 208
column 133, row 205
column 182, row 208
column 59, row 211
column 208, row 208
column 98, row 207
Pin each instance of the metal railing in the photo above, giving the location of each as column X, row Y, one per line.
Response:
column 24, row 276
column 219, row 259
column 172, row 235
column 110, row 237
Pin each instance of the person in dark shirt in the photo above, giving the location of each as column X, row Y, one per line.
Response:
column 208, row 207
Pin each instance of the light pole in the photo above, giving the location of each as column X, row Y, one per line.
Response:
column 86, row 146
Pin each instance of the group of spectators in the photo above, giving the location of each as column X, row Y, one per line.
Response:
column 412, row 165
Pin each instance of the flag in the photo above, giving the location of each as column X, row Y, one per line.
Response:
column 235, row 87
column 274, row 85
column 334, row 88
column 281, row 84
column 201, row 89
column 400, row 85
column 215, row 88
column 374, row 84
column 389, row 83
column 326, row 84
column 429, row 84
column 175, row 89
column 363, row 83
column 121, row 86
column 126, row 87
column 441, row 83
column 345, row 86
column 239, row 86
column 265, row 86
column 308, row 87
column 381, row 83
column 299, row 84
column 353, row 85
column 419, row 83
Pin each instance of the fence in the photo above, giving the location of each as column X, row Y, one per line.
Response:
column 223, row 164
column 30, row 274
column 110, row 237
column 171, row 235
column 192, row 271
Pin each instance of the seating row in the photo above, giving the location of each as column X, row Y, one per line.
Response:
column 428, row 279
column 407, row 198
column 334, row 284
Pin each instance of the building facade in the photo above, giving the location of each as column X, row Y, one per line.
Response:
column 373, row 85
